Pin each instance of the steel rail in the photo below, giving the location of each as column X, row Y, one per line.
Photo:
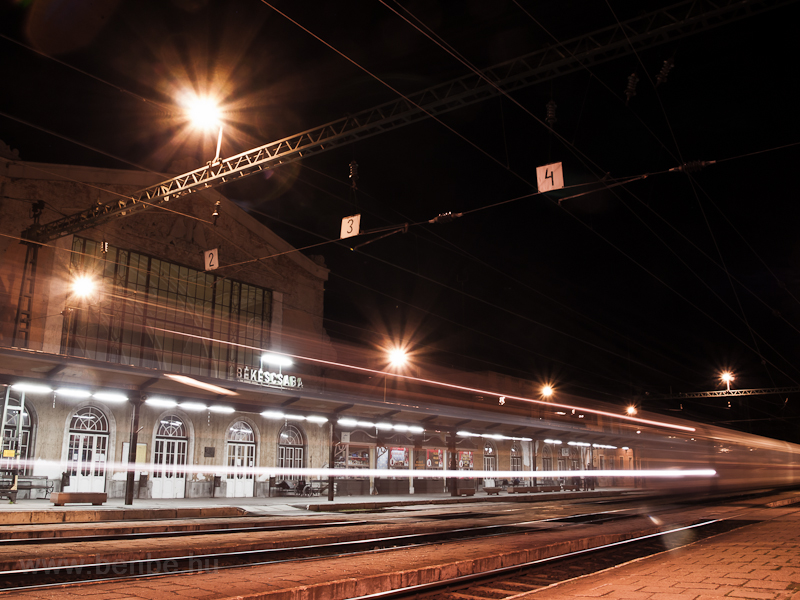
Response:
column 174, row 533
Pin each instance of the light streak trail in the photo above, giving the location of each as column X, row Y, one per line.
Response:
column 323, row 473
column 442, row 384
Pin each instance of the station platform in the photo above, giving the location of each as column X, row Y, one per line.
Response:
column 42, row 511
column 759, row 561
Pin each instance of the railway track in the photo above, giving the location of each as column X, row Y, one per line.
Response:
column 189, row 530
column 60, row 573
column 494, row 586
column 504, row 584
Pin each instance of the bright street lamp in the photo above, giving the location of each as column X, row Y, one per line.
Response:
column 398, row 357
column 547, row 391
column 83, row 286
column 727, row 377
column 631, row 410
column 205, row 114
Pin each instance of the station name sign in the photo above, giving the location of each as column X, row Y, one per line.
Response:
column 267, row 378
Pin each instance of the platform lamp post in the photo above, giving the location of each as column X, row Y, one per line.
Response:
column 547, row 392
column 398, row 358
column 205, row 114
column 727, row 377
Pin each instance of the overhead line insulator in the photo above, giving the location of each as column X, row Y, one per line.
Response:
column 551, row 113
column 665, row 69
column 630, row 91
column 353, row 174
column 693, row 166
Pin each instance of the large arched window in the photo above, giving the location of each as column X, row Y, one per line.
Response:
column 291, row 450
column 25, row 451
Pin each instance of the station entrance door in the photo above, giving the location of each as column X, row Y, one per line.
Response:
column 87, row 451
column 169, row 459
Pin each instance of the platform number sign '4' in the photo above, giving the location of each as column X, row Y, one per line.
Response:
column 550, row 177
column 212, row 259
column 351, row 226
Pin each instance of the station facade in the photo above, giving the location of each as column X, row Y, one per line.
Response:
column 84, row 377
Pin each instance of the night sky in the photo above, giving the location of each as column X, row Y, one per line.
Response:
column 629, row 292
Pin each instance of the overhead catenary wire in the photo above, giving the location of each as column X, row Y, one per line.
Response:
column 663, row 145
column 432, row 36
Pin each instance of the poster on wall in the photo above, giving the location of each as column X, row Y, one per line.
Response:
column 435, row 459
column 465, row 460
column 381, row 458
column 398, row 458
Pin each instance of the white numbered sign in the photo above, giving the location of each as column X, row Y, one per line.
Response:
column 351, row 226
column 550, row 177
column 212, row 259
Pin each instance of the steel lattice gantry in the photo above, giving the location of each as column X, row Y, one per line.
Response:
column 729, row 393
column 679, row 20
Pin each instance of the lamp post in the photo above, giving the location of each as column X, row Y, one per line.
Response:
column 398, row 358
column 82, row 288
column 205, row 114
column 727, row 377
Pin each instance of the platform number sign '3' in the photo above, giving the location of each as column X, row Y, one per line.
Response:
column 351, row 226
column 212, row 259
column 550, row 177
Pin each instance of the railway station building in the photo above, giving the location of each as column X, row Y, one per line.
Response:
column 188, row 363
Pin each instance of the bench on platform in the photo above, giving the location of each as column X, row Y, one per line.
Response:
column 493, row 490
column 465, row 491
column 7, row 492
column 522, row 489
column 549, row 488
column 36, row 483
column 94, row 498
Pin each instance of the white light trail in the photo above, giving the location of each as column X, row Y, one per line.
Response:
column 442, row 384
column 324, row 473
column 202, row 385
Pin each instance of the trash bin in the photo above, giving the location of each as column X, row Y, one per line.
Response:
column 217, row 483
column 64, row 480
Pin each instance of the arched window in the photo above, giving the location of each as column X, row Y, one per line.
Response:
column 171, row 426
column 89, row 419
column 547, row 459
column 574, row 459
column 10, row 436
column 241, row 431
column 489, row 456
column 291, row 450
column 516, row 457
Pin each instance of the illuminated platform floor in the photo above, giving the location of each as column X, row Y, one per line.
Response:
column 41, row 510
column 760, row 560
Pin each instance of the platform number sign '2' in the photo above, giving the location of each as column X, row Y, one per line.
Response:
column 550, row 177
column 351, row 226
column 212, row 259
